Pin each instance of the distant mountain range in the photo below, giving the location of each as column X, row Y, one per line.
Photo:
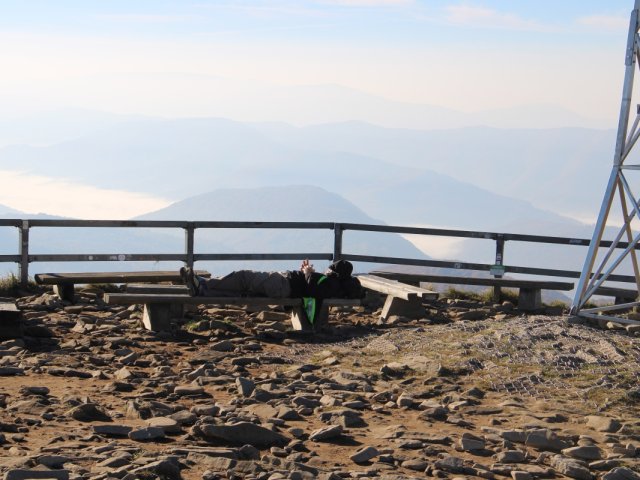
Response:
column 286, row 204
column 466, row 178
column 562, row 170
column 255, row 101
column 475, row 178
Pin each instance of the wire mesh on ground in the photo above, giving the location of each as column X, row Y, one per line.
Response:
column 530, row 356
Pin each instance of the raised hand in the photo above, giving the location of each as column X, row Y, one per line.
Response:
column 306, row 267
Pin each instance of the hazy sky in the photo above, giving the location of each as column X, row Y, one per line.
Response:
column 142, row 56
column 183, row 58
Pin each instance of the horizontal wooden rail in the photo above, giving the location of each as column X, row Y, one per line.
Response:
column 263, row 256
column 421, row 263
column 188, row 256
column 518, row 237
column 107, row 257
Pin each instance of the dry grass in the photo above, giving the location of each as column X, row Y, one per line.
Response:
column 10, row 286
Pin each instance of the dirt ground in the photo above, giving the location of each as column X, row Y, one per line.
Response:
column 432, row 397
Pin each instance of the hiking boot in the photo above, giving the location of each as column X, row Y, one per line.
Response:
column 190, row 280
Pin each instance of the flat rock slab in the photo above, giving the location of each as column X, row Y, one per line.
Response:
column 88, row 412
column 112, row 430
column 146, row 434
column 26, row 474
column 244, row 433
column 621, row 473
column 169, row 425
column 187, row 390
column 603, row 424
column 364, row 455
column 328, row 433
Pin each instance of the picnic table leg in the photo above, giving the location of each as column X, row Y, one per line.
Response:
column 157, row 316
column 406, row 308
column 10, row 321
column 530, row 299
column 497, row 294
column 299, row 320
column 620, row 299
column 66, row 291
column 322, row 319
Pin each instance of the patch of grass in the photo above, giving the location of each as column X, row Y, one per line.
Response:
column 105, row 287
column 193, row 325
column 484, row 296
column 10, row 286
column 457, row 294
column 558, row 303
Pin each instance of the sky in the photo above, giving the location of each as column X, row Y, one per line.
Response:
column 467, row 55
column 180, row 58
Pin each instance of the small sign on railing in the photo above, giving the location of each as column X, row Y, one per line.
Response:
column 497, row 270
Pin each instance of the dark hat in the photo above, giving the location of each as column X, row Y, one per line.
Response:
column 342, row 268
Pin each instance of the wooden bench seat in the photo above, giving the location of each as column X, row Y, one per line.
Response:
column 530, row 291
column 157, row 288
column 402, row 299
column 160, row 308
column 64, row 283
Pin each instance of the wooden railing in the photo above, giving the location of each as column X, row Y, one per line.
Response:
column 23, row 258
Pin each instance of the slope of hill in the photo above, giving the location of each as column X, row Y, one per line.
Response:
column 286, row 204
column 563, row 169
column 293, row 203
column 8, row 212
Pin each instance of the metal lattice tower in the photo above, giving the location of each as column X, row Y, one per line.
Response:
column 605, row 263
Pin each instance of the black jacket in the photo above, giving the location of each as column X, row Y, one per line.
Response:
column 314, row 284
column 321, row 286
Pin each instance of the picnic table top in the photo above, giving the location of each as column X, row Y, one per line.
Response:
column 112, row 277
column 490, row 282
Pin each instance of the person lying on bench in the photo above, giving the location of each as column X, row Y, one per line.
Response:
column 312, row 287
column 335, row 282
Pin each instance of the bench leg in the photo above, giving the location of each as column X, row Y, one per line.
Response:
column 401, row 307
column 322, row 319
column 157, row 316
column 530, row 299
column 299, row 320
column 66, row 291
column 496, row 294
column 300, row 323
column 620, row 300
column 10, row 321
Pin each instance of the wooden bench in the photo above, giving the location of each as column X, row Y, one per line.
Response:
column 402, row 299
column 161, row 308
column 64, row 283
column 621, row 295
column 530, row 291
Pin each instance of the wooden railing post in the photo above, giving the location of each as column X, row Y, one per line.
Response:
column 189, row 236
column 23, row 269
column 337, row 241
column 498, row 271
column 499, row 254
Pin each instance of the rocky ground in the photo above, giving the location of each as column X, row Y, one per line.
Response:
column 471, row 390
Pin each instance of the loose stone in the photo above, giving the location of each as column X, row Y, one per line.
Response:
column 328, row 433
column 364, row 455
column 146, row 434
column 244, row 433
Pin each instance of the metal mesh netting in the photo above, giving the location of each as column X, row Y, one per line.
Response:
column 537, row 356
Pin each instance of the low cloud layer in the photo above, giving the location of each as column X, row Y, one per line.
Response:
column 32, row 194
